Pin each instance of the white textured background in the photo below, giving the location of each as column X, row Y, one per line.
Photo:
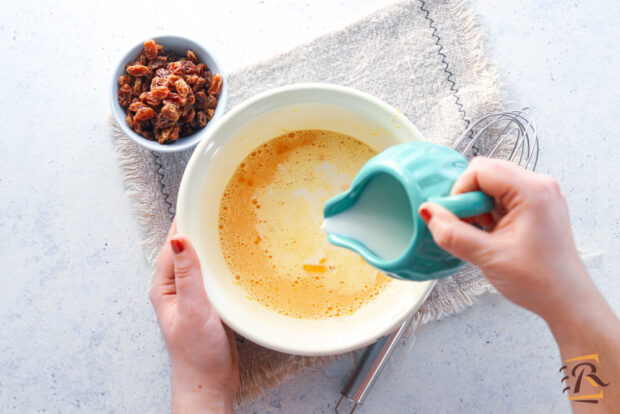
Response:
column 77, row 331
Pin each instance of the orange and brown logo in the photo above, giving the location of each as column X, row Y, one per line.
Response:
column 582, row 382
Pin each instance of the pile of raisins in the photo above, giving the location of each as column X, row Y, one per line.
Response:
column 167, row 96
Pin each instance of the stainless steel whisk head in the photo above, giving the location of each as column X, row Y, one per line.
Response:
column 508, row 135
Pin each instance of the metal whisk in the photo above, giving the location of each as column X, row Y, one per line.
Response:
column 507, row 135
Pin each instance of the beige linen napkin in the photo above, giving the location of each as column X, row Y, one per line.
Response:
column 426, row 58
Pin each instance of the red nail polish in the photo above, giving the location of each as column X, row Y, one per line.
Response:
column 177, row 246
column 425, row 214
column 486, row 219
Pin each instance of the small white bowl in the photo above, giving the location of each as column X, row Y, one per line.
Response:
column 248, row 125
column 180, row 46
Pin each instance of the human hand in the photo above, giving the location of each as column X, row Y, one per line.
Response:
column 203, row 353
column 530, row 257
column 529, row 254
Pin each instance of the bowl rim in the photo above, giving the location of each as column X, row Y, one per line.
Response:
column 331, row 348
column 185, row 142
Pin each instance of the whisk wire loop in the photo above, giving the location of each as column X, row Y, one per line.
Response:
column 505, row 135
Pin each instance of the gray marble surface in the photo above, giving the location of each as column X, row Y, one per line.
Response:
column 78, row 333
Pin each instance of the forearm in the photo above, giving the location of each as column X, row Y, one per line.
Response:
column 196, row 394
column 587, row 331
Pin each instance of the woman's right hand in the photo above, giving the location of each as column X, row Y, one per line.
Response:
column 528, row 254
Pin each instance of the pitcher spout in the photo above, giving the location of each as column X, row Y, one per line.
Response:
column 374, row 218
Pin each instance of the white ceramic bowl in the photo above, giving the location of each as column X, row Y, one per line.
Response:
column 257, row 120
column 178, row 45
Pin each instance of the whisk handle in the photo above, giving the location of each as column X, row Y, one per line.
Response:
column 466, row 204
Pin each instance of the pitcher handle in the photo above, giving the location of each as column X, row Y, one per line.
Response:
column 466, row 204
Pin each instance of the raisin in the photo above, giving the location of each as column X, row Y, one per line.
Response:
column 141, row 59
column 123, row 80
column 144, row 114
column 182, row 88
column 170, row 111
column 137, row 87
column 201, row 100
column 135, row 106
column 151, row 99
column 162, row 73
column 143, row 97
column 165, row 134
column 163, row 122
column 160, row 92
column 157, row 81
column 211, row 102
column 186, row 130
column 201, row 69
column 158, row 63
column 150, row 49
column 199, row 84
column 124, row 95
column 191, row 79
column 192, row 56
column 216, row 85
column 129, row 120
column 147, row 134
column 174, row 97
column 189, row 68
column 191, row 98
column 175, row 68
column 160, row 49
column 172, row 79
column 174, row 134
column 201, row 117
column 210, row 113
column 189, row 116
column 137, row 70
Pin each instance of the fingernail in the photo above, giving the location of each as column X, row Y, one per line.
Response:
column 486, row 219
column 177, row 246
column 425, row 214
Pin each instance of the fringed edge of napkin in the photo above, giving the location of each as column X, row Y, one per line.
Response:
column 137, row 188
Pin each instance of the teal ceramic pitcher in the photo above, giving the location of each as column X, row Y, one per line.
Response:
column 377, row 217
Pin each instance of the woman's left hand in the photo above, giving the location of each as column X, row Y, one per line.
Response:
column 203, row 352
